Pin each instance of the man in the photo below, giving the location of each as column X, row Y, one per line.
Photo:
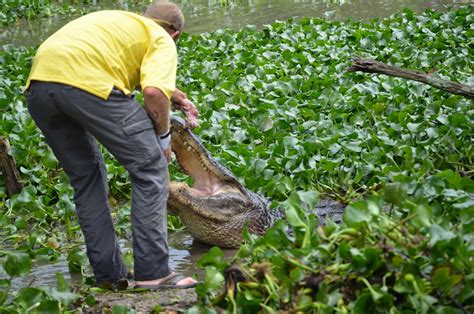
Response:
column 78, row 92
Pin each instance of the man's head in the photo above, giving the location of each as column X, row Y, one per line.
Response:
column 168, row 15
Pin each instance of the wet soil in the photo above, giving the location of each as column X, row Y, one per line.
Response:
column 167, row 301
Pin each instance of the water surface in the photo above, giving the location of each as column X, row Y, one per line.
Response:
column 208, row 15
column 184, row 254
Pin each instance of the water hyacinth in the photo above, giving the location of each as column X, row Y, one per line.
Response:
column 279, row 109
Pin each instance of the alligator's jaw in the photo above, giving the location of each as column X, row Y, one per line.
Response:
column 216, row 219
column 217, row 207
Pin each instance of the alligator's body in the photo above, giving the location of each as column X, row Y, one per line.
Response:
column 217, row 207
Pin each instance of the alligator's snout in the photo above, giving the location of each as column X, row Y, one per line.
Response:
column 216, row 207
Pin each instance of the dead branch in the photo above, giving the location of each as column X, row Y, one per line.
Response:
column 8, row 167
column 372, row 66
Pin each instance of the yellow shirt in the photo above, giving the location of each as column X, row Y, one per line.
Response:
column 105, row 49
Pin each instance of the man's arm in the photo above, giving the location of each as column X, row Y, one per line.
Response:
column 157, row 106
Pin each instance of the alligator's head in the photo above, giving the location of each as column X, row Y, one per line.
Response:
column 216, row 207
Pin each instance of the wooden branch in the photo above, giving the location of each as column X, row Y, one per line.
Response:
column 372, row 66
column 8, row 167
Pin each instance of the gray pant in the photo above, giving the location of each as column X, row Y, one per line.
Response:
column 71, row 119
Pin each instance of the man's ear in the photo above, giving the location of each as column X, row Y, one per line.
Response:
column 175, row 35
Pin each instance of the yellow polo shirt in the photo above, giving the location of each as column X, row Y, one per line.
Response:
column 105, row 49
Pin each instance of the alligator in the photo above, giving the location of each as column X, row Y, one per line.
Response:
column 217, row 207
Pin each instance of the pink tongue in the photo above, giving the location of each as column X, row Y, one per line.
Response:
column 208, row 190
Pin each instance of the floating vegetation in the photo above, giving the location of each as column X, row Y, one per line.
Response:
column 280, row 110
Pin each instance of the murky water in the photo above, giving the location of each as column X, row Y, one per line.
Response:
column 184, row 253
column 208, row 15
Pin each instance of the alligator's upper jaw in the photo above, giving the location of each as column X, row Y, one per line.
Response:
column 209, row 177
column 191, row 157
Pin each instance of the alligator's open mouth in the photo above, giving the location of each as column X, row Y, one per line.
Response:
column 214, row 188
column 216, row 207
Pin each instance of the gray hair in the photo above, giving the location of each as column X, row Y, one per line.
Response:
column 166, row 12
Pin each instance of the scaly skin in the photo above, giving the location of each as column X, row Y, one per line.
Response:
column 217, row 207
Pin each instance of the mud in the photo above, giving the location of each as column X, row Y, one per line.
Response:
column 167, row 301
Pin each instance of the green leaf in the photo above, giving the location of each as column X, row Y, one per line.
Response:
column 119, row 309
column 27, row 195
column 66, row 201
column 297, row 274
column 61, row 282
column 444, row 280
column 293, row 217
column 448, row 310
column 266, row 123
column 90, row 300
column 438, row 234
column 363, row 304
column 28, row 296
column 354, row 146
column 310, row 198
column 458, row 119
column 21, row 223
column 47, row 307
column 360, row 211
column 466, row 203
column 17, row 264
column 213, row 279
column 77, row 260
column 49, row 160
column 64, row 297
column 423, row 216
column 215, row 257
column 393, row 193
column 304, row 302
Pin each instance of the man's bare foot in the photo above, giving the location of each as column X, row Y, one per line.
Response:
column 174, row 278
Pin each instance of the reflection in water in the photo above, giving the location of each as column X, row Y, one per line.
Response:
column 208, row 15
column 184, row 253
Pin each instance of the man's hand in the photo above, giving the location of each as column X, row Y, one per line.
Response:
column 181, row 102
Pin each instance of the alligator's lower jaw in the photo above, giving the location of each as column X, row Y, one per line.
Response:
column 220, row 206
column 216, row 218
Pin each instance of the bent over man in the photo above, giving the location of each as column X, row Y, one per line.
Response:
column 79, row 91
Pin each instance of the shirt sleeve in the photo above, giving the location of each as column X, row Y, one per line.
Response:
column 158, row 68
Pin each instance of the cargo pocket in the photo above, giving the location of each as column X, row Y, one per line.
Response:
column 137, row 127
column 141, row 136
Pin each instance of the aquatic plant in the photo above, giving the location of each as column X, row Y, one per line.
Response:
column 282, row 106
column 280, row 110
column 15, row 10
